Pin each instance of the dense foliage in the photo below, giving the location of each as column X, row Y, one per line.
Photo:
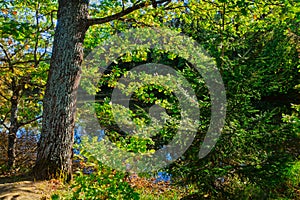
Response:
column 256, row 46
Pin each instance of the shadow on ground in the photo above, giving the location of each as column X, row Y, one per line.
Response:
column 22, row 188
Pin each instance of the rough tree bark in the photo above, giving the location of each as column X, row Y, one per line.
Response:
column 54, row 157
column 14, row 124
column 12, row 132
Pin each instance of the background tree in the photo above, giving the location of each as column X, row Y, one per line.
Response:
column 24, row 50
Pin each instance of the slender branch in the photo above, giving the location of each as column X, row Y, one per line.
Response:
column 123, row 5
column 29, row 61
column 6, row 115
column 44, row 53
column 4, row 97
column 3, row 59
column 6, row 54
column 2, row 121
column 30, row 121
column 21, row 48
column 52, row 23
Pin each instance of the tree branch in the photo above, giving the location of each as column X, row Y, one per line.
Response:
column 29, row 61
column 94, row 21
column 6, row 54
column 3, row 59
column 52, row 23
column 6, row 127
column 2, row 122
column 3, row 96
column 103, row 20
column 30, row 121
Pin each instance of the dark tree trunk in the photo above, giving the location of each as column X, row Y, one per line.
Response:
column 54, row 158
column 12, row 132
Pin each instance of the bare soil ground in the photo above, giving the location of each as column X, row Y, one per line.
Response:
column 25, row 188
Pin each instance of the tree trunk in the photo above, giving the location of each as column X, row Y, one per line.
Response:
column 12, row 134
column 54, row 157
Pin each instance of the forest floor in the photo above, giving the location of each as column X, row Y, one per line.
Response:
column 25, row 188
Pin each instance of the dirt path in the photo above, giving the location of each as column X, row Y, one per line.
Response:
column 25, row 189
